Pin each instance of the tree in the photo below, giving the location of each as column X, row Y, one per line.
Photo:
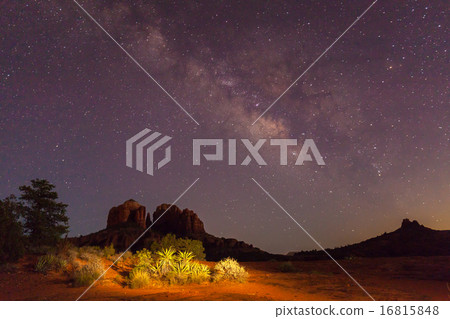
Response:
column 45, row 219
column 12, row 237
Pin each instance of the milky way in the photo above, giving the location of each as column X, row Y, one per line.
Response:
column 376, row 105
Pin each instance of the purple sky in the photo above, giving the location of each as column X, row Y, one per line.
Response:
column 376, row 105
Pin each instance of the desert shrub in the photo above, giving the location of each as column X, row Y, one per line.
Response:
column 60, row 264
column 44, row 263
column 127, row 255
column 179, row 273
column 87, row 256
column 287, row 267
column 139, row 278
column 50, row 262
column 118, row 279
column 180, row 244
column 71, row 255
column 124, row 258
column 144, row 259
column 108, row 251
column 89, row 252
column 199, row 273
column 229, row 269
column 113, row 258
column 63, row 247
column 75, row 265
column 88, row 273
column 167, row 265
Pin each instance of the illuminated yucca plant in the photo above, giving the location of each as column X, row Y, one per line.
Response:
column 184, row 257
column 179, row 274
column 156, row 269
column 200, row 272
column 166, row 260
column 181, row 269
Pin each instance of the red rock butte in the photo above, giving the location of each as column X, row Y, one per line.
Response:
column 130, row 212
column 170, row 219
column 180, row 222
column 126, row 221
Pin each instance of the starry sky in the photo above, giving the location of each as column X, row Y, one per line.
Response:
column 376, row 105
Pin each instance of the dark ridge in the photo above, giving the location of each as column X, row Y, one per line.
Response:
column 411, row 239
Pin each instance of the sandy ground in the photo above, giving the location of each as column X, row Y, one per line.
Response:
column 409, row 278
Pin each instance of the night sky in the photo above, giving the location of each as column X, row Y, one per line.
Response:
column 376, row 105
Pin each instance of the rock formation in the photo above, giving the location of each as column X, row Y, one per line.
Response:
column 408, row 225
column 181, row 223
column 186, row 223
column 176, row 221
column 411, row 239
column 130, row 213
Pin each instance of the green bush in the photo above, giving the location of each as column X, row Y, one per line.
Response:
column 61, row 264
column 144, row 259
column 180, row 244
column 43, row 264
column 88, row 273
column 139, row 278
column 229, row 269
column 71, row 255
column 287, row 267
column 89, row 252
column 123, row 257
column 87, row 256
column 50, row 262
column 63, row 247
column 128, row 254
column 108, row 251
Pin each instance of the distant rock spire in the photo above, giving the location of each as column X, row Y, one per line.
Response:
column 407, row 224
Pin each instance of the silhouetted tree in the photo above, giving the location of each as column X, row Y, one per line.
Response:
column 11, row 231
column 45, row 219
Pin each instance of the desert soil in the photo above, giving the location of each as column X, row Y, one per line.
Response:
column 409, row 278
